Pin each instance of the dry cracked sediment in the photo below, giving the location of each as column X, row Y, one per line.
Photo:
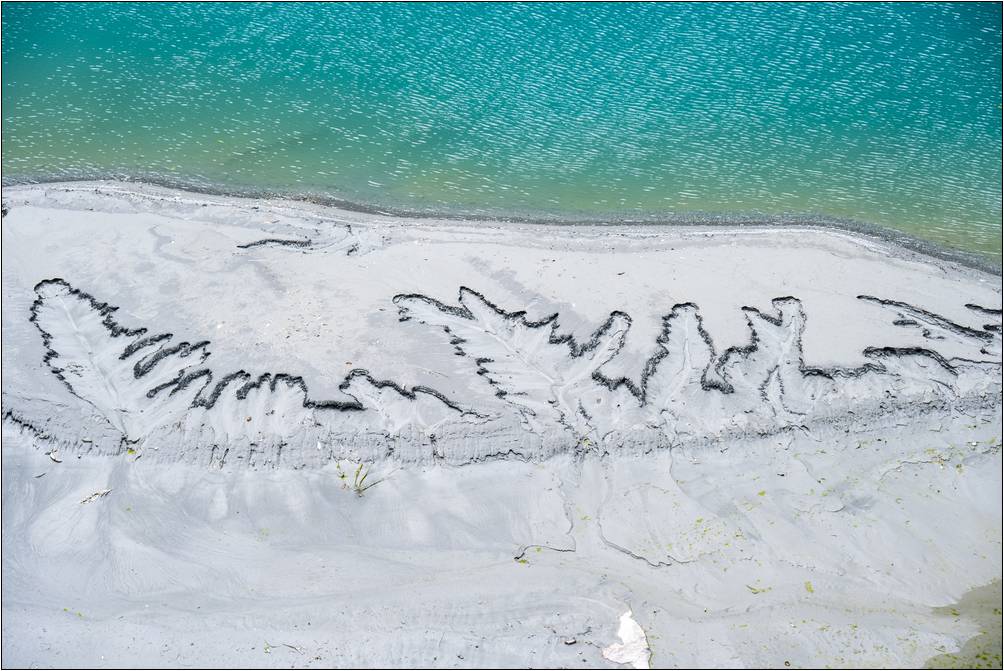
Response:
column 784, row 443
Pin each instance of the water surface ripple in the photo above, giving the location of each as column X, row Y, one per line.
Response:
column 888, row 114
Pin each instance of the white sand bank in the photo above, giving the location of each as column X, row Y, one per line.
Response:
column 767, row 445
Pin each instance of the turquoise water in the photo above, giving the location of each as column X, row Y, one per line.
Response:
column 881, row 113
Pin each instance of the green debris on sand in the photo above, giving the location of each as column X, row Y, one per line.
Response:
column 359, row 479
column 985, row 650
column 359, row 482
column 758, row 590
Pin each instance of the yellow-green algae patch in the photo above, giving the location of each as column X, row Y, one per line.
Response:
column 983, row 651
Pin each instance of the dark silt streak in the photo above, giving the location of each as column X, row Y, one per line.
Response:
column 185, row 376
column 277, row 242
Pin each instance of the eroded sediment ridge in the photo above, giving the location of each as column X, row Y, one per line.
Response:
column 142, row 390
column 685, row 380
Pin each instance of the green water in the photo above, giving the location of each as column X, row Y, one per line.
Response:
column 881, row 113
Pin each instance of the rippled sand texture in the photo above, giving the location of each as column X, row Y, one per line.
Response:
column 880, row 113
column 267, row 433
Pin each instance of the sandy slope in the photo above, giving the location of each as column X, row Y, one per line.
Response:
column 768, row 446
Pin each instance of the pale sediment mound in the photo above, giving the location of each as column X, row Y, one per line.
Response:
column 385, row 442
column 519, row 386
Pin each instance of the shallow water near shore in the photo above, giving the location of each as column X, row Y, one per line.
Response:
column 887, row 115
column 984, row 651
